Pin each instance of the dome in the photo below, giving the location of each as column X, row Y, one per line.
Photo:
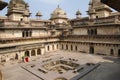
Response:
column 38, row 14
column 17, row 1
column 78, row 13
column 58, row 13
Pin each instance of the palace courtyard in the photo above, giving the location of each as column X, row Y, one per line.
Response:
column 67, row 66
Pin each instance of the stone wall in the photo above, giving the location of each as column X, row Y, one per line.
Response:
column 94, row 48
column 0, row 75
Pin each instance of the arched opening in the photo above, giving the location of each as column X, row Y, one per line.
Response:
column 62, row 46
column 111, row 52
column 39, row 52
column 71, row 48
column 76, row 48
column 119, row 53
column 48, row 48
column 92, row 32
column 57, row 46
column 30, row 33
column 21, row 19
column 27, row 54
column 33, row 53
column 16, row 56
column 95, row 31
column 27, row 34
column 66, row 47
column 88, row 32
column 23, row 34
column 91, row 50
column 96, row 17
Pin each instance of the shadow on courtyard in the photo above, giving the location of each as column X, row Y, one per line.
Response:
column 106, row 71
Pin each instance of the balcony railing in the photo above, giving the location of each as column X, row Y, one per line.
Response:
column 99, row 38
column 12, row 40
column 97, row 21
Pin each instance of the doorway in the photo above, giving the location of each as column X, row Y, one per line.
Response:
column 66, row 47
column 76, row 48
column 111, row 52
column 39, row 52
column 71, row 47
column 33, row 53
column 16, row 56
column 119, row 53
column 62, row 47
column 91, row 50
column 27, row 54
column 48, row 48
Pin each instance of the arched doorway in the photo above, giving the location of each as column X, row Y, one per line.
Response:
column 48, row 48
column 111, row 52
column 16, row 56
column 91, row 50
column 76, row 48
column 27, row 54
column 39, row 52
column 33, row 53
column 66, row 47
column 71, row 48
column 57, row 46
column 119, row 53
column 62, row 46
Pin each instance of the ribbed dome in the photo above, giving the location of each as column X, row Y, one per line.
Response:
column 58, row 13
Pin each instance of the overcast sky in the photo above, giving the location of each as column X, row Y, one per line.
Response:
column 46, row 7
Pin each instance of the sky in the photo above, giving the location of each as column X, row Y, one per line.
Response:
column 46, row 7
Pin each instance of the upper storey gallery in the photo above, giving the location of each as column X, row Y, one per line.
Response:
column 18, row 13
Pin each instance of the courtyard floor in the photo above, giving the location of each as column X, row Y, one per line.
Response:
column 108, row 69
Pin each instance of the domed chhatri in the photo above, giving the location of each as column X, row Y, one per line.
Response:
column 58, row 13
column 19, row 8
column 38, row 14
column 78, row 14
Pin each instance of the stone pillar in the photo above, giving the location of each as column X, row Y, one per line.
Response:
column 35, row 52
column 42, row 51
column 116, row 52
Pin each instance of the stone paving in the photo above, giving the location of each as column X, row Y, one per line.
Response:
column 108, row 67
